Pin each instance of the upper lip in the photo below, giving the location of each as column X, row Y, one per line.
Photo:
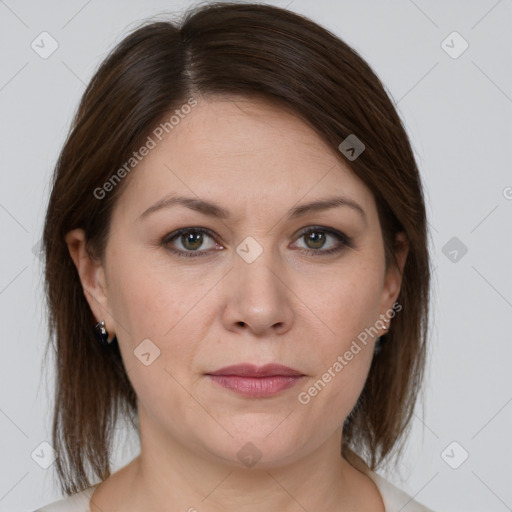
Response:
column 250, row 370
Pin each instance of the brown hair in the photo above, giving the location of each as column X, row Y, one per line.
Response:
column 226, row 49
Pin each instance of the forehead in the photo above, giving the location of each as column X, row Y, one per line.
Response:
column 241, row 152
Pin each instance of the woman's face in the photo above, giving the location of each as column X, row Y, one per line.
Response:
column 267, row 282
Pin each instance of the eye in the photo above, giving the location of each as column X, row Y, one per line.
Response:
column 191, row 240
column 315, row 238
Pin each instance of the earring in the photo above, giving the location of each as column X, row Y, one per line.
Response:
column 102, row 334
column 378, row 345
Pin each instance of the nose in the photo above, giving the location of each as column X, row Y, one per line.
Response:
column 258, row 297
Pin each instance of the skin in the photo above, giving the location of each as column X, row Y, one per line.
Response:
column 204, row 313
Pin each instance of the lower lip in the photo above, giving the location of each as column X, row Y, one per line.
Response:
column 256, row 387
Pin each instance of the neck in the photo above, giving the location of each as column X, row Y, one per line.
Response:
column 166, row 472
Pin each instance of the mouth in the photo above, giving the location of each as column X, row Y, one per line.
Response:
column 256, row 382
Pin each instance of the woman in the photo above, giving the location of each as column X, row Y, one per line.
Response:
column 236, row 261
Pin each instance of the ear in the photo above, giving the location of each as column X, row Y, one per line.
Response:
column 92, row 277
column 393, row 277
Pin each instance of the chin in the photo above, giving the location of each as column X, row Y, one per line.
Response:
column 254, row 450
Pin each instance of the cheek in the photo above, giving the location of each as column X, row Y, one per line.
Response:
column 343, row 363
column 347, row 303
column 146, row 305
column 144, row 299
column 157, row 336
column 348, row 310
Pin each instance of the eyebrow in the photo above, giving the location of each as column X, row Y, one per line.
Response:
column 214, row 210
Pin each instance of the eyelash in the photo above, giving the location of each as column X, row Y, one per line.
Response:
column 341, row 237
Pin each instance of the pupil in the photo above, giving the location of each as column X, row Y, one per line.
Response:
column 191, row 238
column 315, row 238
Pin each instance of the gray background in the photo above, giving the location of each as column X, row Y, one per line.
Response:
column 458, row 114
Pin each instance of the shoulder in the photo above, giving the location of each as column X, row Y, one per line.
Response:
column 78, row 502
column 394, row 498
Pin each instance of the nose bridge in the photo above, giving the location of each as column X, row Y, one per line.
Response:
column 256, row 295
column 256, row 267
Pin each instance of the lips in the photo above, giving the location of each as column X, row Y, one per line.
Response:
column 249, row 370
column 256, row 382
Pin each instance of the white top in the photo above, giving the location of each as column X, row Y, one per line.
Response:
column 394, row 499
